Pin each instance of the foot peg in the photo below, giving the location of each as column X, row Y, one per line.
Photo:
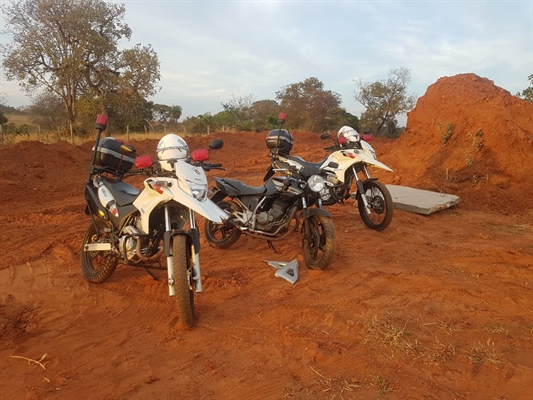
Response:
column 286, row 270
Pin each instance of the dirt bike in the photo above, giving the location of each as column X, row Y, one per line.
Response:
column 141, row 227
column 350, row 156
column 273, row 211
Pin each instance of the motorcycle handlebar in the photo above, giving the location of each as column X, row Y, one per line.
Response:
column 209, row 166
column 332, row 148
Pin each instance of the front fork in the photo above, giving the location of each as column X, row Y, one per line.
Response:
column 361, row 189
column 195, row 257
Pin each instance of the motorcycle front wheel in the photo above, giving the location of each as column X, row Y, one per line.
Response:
column 319, row 248
column 379, row 203
column 184, row 294
column 222, row 236
column 97, row 266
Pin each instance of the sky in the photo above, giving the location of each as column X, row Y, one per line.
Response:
column 211, row 51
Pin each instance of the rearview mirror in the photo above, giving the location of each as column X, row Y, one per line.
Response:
column 324, row 136
column 216, row 144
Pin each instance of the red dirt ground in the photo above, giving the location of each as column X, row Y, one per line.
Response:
column 433, row 307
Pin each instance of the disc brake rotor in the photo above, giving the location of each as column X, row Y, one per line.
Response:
column 377, row 204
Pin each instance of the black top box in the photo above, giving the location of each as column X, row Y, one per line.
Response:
column 115, row 156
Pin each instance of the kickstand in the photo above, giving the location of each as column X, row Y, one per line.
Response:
column 151, row 274
column 271, row 245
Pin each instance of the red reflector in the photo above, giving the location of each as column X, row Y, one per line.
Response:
column 367, row 137
column 143, row 161
column 200, row 155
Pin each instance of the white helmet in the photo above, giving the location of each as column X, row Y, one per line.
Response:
column 171, row 147
column 349, row 133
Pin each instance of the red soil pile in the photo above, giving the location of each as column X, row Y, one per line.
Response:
column 468, row 137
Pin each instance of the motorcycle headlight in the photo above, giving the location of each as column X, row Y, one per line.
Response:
column 199, row 191
column 316, row 183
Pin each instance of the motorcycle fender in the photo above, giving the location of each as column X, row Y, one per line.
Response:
column 371, row 161
column 93, row 205
column 269, row 173
column 361, row 186
column 206, row 208
column 309, row 212
column 192, row 236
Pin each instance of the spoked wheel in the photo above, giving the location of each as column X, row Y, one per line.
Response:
column 97, row 266
column 319, row 248
column 222, row 236
column 380, row 205
column 183, row 287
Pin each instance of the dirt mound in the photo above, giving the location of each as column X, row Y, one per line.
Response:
column 432, row 307
column 472, row 138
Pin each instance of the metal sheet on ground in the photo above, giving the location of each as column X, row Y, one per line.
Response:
column 420, row 201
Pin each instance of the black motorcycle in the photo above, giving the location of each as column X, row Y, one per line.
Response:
column 275, row 210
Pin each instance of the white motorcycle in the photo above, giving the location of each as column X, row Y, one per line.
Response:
column 143, row 228
column 350, row 157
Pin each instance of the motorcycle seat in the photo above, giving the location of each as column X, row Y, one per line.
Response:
column 300, row 160
column 309, row 168
column 235, row 188
column 122, row 192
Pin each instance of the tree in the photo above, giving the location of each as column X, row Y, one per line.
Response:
column 167, row 114
column 239, row 110
column 346, row 118
column 264, row 114
column 47, row 111
column 308, row 105
column 199, row 124
column 3, row 118
column 384, row 100
column 527, row 93
column 71, row 47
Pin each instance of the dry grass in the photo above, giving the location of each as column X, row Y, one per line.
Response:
column 30, row 360
column 388, row 333
column 510, row 229
column 484, row 352
column 382, row 385
column 52, row 137
column 331, row 386
column 19, row 119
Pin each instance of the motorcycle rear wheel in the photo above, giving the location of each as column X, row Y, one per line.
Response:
column 97, row 266
column 319, row 249
column 222, row 236
column 184, row 293
column 380, row 205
